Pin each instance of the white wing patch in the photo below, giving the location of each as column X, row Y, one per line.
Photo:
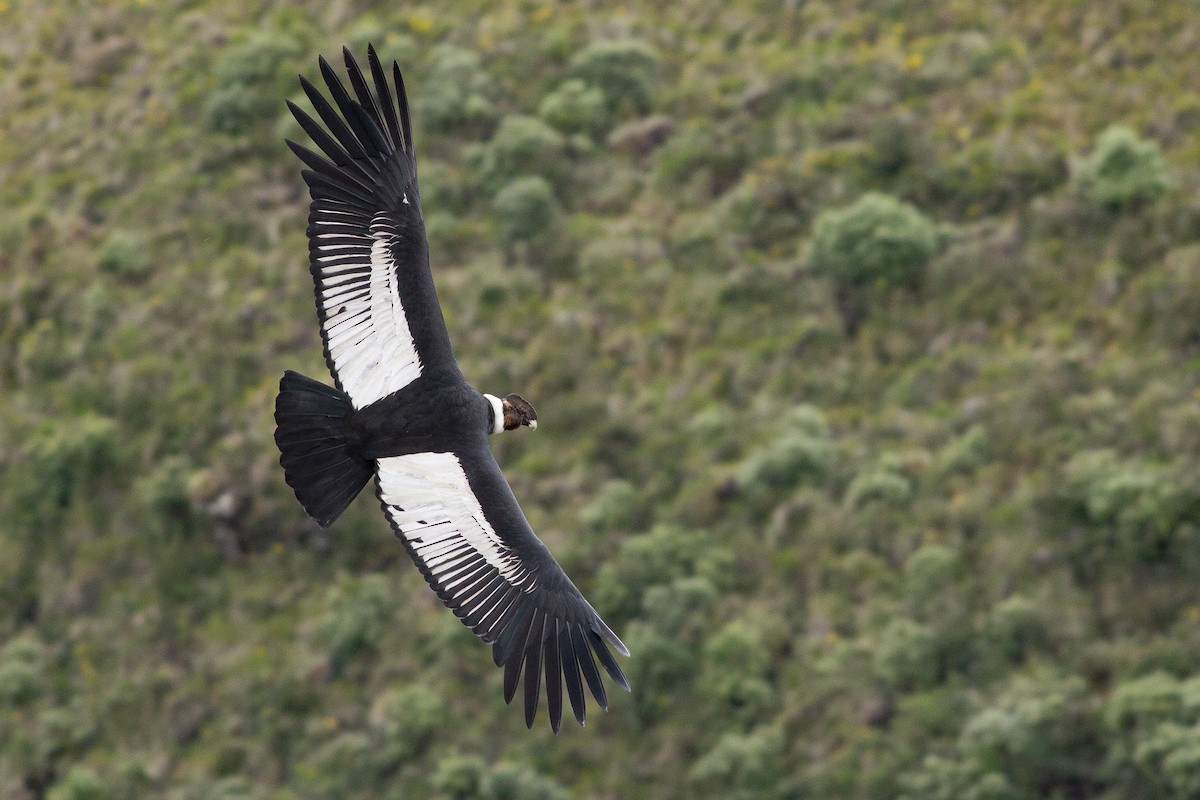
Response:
column 427, row 498
column 365, row 329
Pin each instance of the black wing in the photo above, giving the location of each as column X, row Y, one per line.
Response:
column 459, row 521
column 380, row 319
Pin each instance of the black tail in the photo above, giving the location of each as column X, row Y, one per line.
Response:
column 316, row 456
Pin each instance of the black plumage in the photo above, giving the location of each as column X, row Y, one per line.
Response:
column 403, row 412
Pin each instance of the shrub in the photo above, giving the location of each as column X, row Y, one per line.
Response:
column 662, row 669
column 1133, row 507
column 20, row 682
column 895, row 140
column 990, row 175
column 513, row 782
column 769, row 206
column 457, row 96
column 163, row 492
column 677, row 608
column 906, row 656
column 619, row 253
column 42, row 350
column 614, row 507
column 576, row 107
column 1040, row 734
column 879, row 485
column 1168, row 298
column 1015, row 626
column 459, row 777
column 804, row 452
column 941, row 778
column 1154, row 718
column 1143, row 703
column 1122, row 171
column 877, row 240
column 123, row 254
column 232, row 110
column 80, row 783
column 523, row 146
column 737, row 662
column 406, row 719
column 748, row 765
column 359, row 611
column 347, row 765
column 654, row 558
column 67, row 454
column 965, row 453
column 787, row 461
column 703, row 158
column 623, row 70
column 262, row 56
column 251, row 74
column 526, row 209
column 1172, row 754
column 21, row 672
column 929, row 570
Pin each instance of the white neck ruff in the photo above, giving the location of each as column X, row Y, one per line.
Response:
column 497, row 413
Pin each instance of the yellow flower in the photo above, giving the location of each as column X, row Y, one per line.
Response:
column 420, row 23
column 914, row 61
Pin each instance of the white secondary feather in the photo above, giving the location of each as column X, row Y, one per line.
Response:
column 428, row 499
column 366, row 331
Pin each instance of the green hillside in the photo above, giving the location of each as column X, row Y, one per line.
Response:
column 865, row 344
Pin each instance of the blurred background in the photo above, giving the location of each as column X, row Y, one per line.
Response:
column 864, row 338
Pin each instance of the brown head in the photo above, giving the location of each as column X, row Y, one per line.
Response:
column 518, row 412
column 510, row 413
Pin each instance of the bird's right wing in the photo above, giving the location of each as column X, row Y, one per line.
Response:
column 381, row 323
column 458, row 519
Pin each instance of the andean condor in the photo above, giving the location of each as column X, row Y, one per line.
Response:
column 403, row 412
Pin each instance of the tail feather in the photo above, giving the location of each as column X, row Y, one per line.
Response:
column 316, row 454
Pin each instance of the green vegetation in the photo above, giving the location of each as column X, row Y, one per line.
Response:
column 863, row 338
column 1122, row 171
column 877, row 240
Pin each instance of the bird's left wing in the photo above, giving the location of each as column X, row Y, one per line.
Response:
column 380, row 320
column 458, row 519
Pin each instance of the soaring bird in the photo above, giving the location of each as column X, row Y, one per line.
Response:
column 401, row 411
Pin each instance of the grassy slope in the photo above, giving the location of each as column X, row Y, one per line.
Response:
column 953, row 553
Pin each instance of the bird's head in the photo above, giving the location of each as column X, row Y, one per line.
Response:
column 511, row 413
column 518, row 412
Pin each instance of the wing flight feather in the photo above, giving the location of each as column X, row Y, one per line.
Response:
column 488, row 567
column 381, row 324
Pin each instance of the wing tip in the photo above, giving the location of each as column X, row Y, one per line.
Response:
column 619, row 646
column 607, row 633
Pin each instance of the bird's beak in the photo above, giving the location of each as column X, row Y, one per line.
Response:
column 532, row 424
